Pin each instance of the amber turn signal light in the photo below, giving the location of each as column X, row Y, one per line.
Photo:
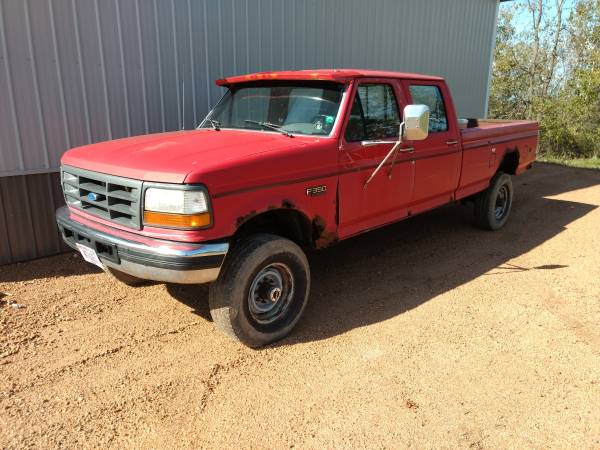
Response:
column 176, row 220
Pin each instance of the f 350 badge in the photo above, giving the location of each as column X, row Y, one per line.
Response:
column 316, row 190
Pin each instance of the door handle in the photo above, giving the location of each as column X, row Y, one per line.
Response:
column 407, row 150
column 372, row 143
column 451, row 142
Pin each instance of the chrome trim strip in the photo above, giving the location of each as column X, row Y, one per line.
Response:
column 199, row 276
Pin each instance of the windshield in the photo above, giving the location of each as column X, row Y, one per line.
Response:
column 300, row 107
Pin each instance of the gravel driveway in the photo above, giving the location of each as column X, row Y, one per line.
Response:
column 425, row 334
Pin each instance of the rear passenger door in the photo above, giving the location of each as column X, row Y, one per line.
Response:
column 437, row 158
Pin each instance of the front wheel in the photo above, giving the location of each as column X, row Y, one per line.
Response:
column 261, row 291
column 492, row 206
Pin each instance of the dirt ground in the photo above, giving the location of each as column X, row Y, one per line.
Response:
column 425, row 334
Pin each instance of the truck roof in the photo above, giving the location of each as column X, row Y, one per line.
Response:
column 337, row 75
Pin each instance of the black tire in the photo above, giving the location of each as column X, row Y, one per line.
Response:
column 125, row 278
column 492, row 206
column 263, row 264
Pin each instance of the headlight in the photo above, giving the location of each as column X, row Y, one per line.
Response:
column 176, row 208
column 175, row 201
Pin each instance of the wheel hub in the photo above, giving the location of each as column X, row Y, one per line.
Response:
column 502, row 203
column 270, row 293
column 275, row 294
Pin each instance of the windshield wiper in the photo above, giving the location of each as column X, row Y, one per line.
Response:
column 270, row 126
column 214, row 123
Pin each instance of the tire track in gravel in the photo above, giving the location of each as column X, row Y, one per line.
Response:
column 215, row 378
column 51, row 376
column 559, row 308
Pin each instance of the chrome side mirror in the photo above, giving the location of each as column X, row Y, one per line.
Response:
column 414, row 128
column 416, row 123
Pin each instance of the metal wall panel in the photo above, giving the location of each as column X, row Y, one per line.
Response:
column 79, row 71
column 27, row 227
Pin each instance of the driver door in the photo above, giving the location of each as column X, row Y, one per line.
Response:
column 370, row 132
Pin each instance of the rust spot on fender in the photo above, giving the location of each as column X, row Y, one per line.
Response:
column 321, row 237
column 242, row 219
column 327, row 238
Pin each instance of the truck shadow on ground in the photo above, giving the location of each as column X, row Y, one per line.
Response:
column 404, row 266
column 386, row 272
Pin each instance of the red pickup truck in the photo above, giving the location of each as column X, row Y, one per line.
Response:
column 285, row 162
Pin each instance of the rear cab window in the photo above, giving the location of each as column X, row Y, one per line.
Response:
column 431, row 95
column 374, row 113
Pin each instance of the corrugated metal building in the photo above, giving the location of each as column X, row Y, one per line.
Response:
column 79, row 71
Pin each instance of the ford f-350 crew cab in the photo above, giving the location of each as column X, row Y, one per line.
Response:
column 285, row 162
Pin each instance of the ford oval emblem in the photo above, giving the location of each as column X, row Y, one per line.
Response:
column 93, row 196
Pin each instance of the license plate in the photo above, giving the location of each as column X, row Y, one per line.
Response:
column 89, row 255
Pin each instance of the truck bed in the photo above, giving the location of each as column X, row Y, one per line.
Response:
column 492, row 145
column 490, row 129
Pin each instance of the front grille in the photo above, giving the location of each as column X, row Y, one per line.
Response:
column 106, row 196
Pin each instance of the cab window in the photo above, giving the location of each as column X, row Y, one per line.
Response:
column 301, row 107
column 374, row 114
column 432, row 97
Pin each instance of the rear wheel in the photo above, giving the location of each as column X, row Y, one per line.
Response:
column 261, row 291
column 492, row 206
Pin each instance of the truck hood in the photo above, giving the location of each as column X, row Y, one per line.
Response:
column 170, row 157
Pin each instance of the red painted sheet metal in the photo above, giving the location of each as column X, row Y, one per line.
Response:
column 337, row 75
column 170, row 157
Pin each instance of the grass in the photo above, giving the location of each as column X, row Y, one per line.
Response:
column 585, row 163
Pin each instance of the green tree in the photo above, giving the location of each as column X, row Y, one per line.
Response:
column 510, row 81
column 582, row 89
column 550, row 72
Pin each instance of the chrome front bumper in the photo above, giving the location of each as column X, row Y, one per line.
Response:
column 155, row 259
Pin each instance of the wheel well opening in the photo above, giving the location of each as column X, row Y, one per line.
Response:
column 287, row 223
column 510, row 162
